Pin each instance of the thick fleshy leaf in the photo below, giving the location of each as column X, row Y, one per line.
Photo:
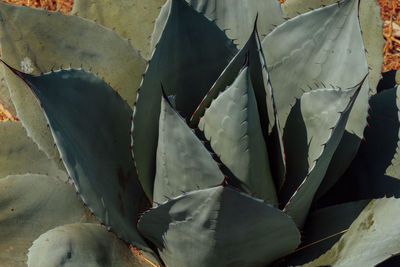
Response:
column 232, row 125
column 183, row 162
column 374, row 172
column 292, row 8
column 236, row 16
column 325, row 113
column 20, row 155
column 219, row 227
column 190, row 55
column 323, row 229
column 31, row 205
column 130, row 19
column 82, row 244
column 320, row 41
column 373, row 237
column 6, row 105
column 94, row 145
column 341, row 161
column 36, row 41
column 263, row 92
column 371, row 26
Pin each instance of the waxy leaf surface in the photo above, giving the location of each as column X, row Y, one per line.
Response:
column 232, row 125
column 90, row 124
column 190, row 54
column 210, row 227
column 183, row 162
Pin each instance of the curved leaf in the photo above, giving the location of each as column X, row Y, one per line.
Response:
column 292, row 8
column 371, row 26
column 373, row 237
column 325, row 47
column 82, row 244
column 94, row 146
column 323, row 229
column 130, row 19
column 219, row 227
column 253, row 54
column 31, row 205
column 6, row 105
column 325, row 113
column 183, row 162
column 20, row 155
column 236, row 16
column 189, row 57
column 232, row 125
column 37, row 41
column 374, row 171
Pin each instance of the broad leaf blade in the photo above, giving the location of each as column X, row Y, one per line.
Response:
column 236, row 16
column 320, row 41
column 94, row 146
column 374, row 171
column 183, row 162
column 20, row 155
column 371, row 26
column 253, row 54
column 325, row 113
column 232, row 125
column 130, row 19
column 373, row 237
column 6, row 105
column 82, row 244
column 323, row 229
column 31, row 205
column 189, row 57
column 36, row 41
column 219, row 227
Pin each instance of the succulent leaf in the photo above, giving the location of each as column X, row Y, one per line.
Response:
column 373, row 173
column 321, row 40
column 82, row 244
column 5, row 99
column 210, row 227
column 94, row 148
column 371, row 26
column 323, row 229
column 325, row 113
column 130, row 19
column 189, row 57
column 183, row 162
column 252, row 54
column 372, row 237
column 20, row 155
column 34, row 40
column 232, row 125
column 229, row 16
column 30, row 205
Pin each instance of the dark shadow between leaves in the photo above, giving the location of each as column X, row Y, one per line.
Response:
column 366, row 179
column 296, row 153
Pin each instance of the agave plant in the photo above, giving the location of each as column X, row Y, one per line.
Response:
column 234, row 151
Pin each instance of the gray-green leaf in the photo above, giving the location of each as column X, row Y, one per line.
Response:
column 183, row 162
column 94, row 146
column 190, row 55
column 31, row 205
column 82, row 244
column 325, row 113
column 232, row 125
column 219, row 227
column 373, row 237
